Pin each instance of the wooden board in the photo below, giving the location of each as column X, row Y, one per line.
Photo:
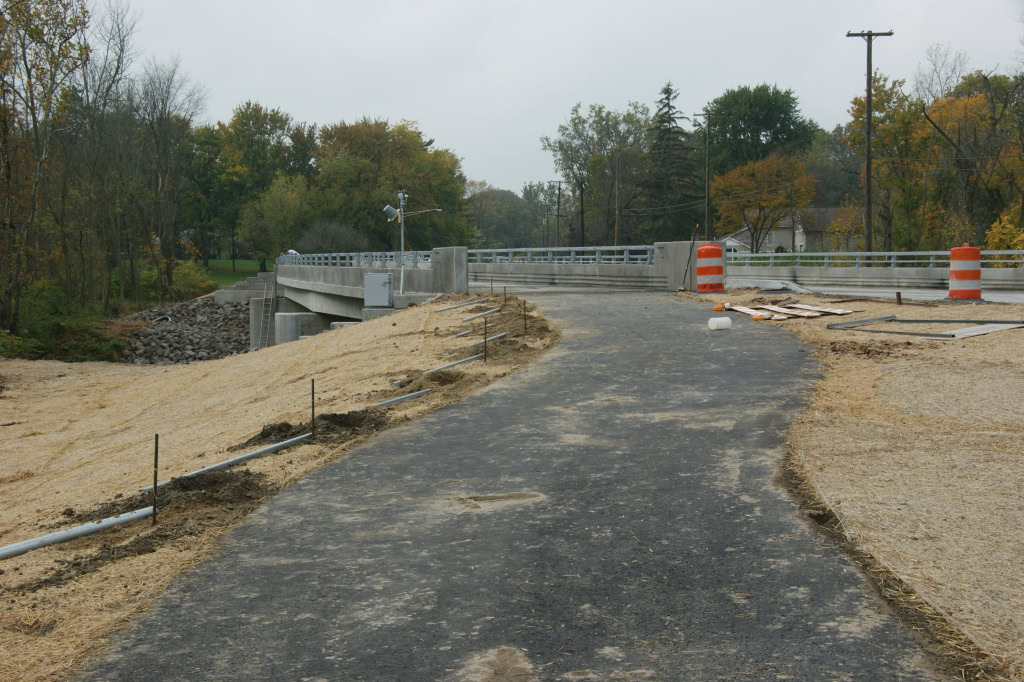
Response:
column 820, row 309
column 752, row 312
column 789, row 311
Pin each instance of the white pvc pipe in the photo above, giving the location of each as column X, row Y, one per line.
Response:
column 453, row 364
column 72, row 533
column 493, row 338
column 395, row 401
column 235, row 460
column 486, row 312
column 461, row 305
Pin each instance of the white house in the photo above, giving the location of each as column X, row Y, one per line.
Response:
column 805, row 233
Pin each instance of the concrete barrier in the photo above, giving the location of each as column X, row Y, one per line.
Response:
column 883, row 277
column 673, row 267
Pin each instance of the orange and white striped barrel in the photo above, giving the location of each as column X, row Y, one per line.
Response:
column 965, row 272
column 710, row 268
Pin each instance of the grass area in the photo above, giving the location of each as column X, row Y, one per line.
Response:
column 220, row 271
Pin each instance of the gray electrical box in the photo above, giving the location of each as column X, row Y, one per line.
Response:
column 377, row 290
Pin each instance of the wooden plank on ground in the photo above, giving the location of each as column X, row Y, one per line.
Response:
column 821, row 309
column 752, row 312
column 789, row 311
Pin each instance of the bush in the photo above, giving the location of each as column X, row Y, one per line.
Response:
column 191, row 280
column 12, row 346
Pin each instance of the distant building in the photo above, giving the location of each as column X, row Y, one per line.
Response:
column 807, row 234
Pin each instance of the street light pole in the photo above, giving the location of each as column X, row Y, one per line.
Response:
column 401, row 225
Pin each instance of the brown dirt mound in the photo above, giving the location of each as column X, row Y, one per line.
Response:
column 331, row 428
column 185, row 502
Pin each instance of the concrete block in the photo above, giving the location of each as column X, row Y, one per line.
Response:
column 372, row 313
column 290, row 326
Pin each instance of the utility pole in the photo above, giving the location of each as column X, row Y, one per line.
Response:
column 558, row 211
column 618, row 210
column 868, row 36
column 583, row 234
column 707, row 172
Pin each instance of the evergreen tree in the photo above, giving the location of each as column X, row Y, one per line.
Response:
column 671, row 180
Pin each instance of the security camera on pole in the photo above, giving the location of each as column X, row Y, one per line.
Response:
column 391, row 213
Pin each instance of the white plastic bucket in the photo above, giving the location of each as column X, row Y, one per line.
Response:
column 719, row 323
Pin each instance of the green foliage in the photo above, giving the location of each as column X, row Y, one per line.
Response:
column 12, row 346
column 53, row 331
column 220, row 271
column 595, row 151
column 835, row 166
column 191, row 281
column 672, row 177
column 750, row 124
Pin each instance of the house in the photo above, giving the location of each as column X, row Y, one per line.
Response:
column 804, row 229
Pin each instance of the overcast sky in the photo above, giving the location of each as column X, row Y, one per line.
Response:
column 486, row 79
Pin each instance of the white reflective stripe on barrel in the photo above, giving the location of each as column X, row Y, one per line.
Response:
column 965, row 265
column 957, row 284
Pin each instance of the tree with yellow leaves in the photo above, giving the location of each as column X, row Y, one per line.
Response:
column 759, row 195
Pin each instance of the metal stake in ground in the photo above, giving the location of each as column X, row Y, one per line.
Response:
column 524, row 317
column 505, row 291
column 312, row 406
column 485, row 339
column 156, row 467
column 492, row 286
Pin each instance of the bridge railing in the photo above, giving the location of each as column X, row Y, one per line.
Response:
column 591, row 255
column 892, row 259
column 368, row 259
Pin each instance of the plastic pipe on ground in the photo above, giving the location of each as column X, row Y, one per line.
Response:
column 403, row 398
column 461, row 305
column 457, row 362
column 486, row 312
column 72, row 533
column 465, row 333
column 493, row 338
column 235, row 460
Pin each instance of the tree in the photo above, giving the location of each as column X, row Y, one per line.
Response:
column 589, row 151
column 41, row 51
column 671, row 179
column 942, row 71
column 758, row 195
column 751, row 124
column 276, row 220
column 834, row 166
column 502, row 218
column 167, row 104
column 363, row 164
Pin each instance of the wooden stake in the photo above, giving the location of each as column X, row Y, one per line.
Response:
column 524, row 317
column 156, row 467
column 899, row 298
column 485, row 339
column 312, row 406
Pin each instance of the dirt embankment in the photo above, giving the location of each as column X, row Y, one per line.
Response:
column 81, row 442
column 912, row 453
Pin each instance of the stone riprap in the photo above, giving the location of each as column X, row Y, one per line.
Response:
column 186, row 332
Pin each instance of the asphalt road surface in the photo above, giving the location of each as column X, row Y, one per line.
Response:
column 610, row 512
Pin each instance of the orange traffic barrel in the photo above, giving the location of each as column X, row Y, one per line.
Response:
column 710, row 268
column 965, row 272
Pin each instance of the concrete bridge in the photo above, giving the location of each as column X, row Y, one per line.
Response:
column 311, row 293
column 308, row 294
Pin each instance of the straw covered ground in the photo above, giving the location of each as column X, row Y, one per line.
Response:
column 914, row 449
column 76, row 444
